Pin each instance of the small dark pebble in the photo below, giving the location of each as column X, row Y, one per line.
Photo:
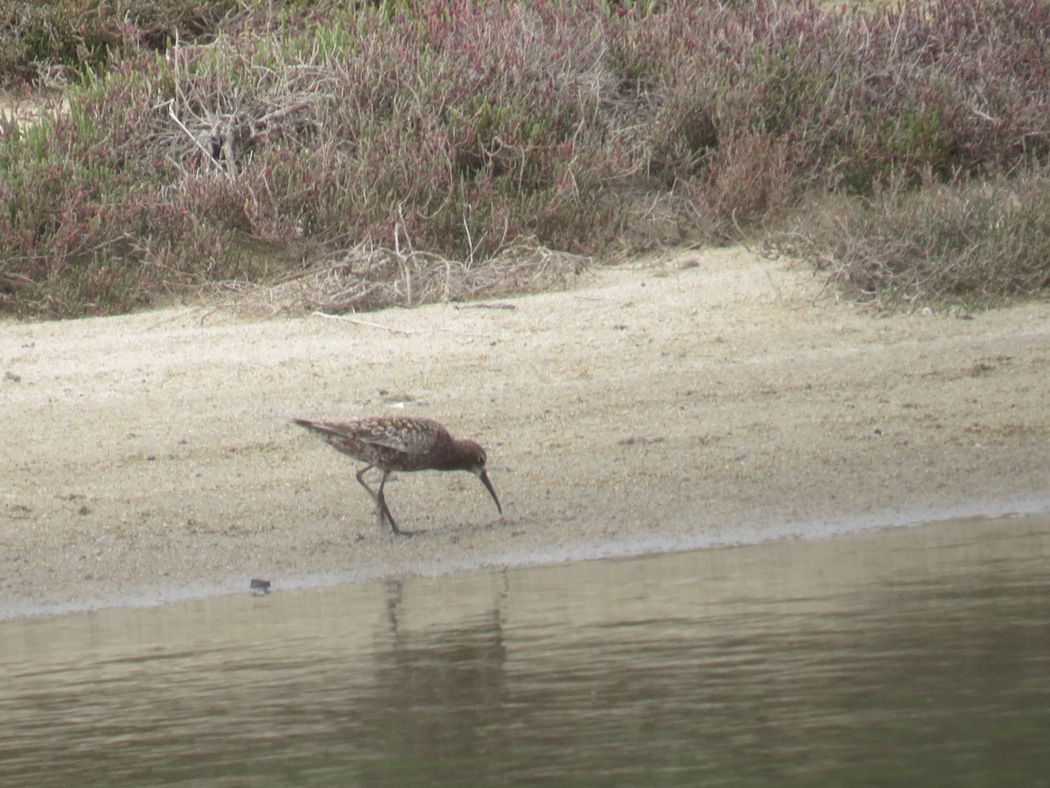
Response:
column 640, row 439
column 259, row 587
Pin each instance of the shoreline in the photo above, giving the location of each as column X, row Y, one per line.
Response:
column 694, row 399
column 1013, row 509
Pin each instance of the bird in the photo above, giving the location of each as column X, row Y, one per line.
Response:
column 401, row 443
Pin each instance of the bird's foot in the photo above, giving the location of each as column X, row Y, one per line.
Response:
column 385, row 517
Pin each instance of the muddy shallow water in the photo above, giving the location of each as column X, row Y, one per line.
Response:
column 907, row 655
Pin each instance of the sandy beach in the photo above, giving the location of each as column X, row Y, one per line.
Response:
column 691, row 399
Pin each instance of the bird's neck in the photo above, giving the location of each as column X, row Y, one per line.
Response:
column 452, row 459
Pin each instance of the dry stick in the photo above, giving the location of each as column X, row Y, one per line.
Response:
column 179, row 123
column 392, row 330
column 182, row 313
column 493, row 305
column 357, row 322
column 773, row 284
column 401, row 258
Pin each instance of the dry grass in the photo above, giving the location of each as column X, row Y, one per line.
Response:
column 272, row 139
column 975, row 245
column 366, row 279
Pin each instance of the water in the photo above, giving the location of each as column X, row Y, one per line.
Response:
column 908, row 656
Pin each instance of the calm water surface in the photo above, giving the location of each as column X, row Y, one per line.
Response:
column 910, row 656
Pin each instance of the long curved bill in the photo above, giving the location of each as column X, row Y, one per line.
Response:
column 484, row 476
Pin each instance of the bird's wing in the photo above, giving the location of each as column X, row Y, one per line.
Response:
column 410, row 435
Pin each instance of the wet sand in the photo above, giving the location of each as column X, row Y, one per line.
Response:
column 688, row 400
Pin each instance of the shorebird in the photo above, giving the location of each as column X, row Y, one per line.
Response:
column 402, row 443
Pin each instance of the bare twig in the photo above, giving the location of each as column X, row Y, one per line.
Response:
column 190, row 134
column 368, row 324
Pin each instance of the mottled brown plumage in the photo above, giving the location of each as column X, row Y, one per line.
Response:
column 402, row 443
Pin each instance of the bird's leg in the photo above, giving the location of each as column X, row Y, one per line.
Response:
column 360, row 476
column 377, row 497
column 384, row 510
column 379, row 504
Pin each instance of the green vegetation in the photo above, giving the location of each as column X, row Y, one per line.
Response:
column 399, row 152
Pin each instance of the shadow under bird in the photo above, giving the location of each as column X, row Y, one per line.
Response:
column 402, row 443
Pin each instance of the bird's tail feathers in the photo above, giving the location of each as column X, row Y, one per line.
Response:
column 317, row 426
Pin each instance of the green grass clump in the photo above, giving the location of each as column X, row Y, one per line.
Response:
column 44, row 40
column 380, row 142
